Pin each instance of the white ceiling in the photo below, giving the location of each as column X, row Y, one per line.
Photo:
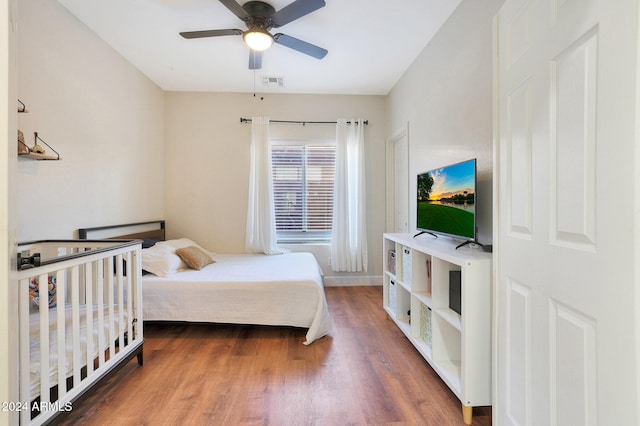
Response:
column 370, row 42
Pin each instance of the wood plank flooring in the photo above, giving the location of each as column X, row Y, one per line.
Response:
column 365, row 373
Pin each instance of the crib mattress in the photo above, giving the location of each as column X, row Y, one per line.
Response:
column 34, row 332
column 284, row 289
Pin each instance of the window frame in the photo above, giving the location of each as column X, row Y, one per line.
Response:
column 302, row 236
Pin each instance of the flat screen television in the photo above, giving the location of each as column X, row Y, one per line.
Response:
column 446, row 201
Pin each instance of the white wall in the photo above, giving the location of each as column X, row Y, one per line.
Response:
column 207, row 161
column 100, row 113
column 446, row 96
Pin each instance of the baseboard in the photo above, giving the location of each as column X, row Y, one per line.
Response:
column 358, row 280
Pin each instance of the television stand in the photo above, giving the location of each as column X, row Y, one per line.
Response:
column 425, row 232
column 469, row 242
column 419, row 291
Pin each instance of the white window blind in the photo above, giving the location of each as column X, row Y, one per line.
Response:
column 303, row 176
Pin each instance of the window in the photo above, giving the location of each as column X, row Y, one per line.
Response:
column 303, row 176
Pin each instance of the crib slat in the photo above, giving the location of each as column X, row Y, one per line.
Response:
column 25, row 350
column 75, row 321
column 61, row 283
column 120, row 295
column 43, row 283
column 137, row 295
column 100, row 303
column 88, row 286
column 110, row 319
column 130, row 278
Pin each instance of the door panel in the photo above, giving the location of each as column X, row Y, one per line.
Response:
column 573, row 366
column 573, row 137
column 518, row 356
column 518, row 160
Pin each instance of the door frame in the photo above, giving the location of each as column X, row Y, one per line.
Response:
column 495, row 217
column 8, row 216
column 400, row 133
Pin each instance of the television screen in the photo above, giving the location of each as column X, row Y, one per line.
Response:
column 446, row 202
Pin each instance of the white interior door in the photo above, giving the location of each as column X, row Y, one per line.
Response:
column 401, row 182
column 566, row 184
column 398, row 181
column 401, row 157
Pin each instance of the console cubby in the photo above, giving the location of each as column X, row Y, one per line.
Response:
column 421, row 324
column 416, row 297
column 403, row 305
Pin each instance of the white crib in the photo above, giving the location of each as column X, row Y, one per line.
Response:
column 87, row 326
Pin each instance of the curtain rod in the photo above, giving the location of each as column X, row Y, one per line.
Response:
column 248, row 120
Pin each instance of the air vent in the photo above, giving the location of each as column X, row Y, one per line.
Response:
column 272, row 81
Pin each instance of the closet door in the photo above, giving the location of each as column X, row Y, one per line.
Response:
column 398, row 180
column 401, row 157
column 566, row 192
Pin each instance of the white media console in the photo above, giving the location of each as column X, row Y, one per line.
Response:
column 453, row 335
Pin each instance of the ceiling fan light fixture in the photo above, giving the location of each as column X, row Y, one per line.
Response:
column 257, row 39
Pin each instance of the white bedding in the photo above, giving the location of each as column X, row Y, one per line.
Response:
column 34, row 332
column 281, row 289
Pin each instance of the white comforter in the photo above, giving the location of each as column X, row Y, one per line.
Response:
column 281, row 289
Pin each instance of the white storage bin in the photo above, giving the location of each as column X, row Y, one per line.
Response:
column 406, row 265
column 391, row 262
column 392, row 294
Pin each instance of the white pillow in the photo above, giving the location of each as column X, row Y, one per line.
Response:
column 178, row 244
column 161, row 261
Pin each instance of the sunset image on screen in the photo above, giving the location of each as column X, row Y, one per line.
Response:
column 446, row 200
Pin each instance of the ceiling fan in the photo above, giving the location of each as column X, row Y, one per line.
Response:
column 260, row 17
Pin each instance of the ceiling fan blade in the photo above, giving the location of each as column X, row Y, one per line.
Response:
column 300, row 46
column 237, row 10
column 295, row 10
column 255, row 60
column 210, row 33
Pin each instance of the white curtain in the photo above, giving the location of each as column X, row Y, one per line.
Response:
column 349, row 229
column 261, row 220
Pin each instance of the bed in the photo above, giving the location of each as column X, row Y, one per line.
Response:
column 79, row 320
column 279, row 290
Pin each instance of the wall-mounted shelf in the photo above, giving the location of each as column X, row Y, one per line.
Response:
column 37, row 152
column 22, row 107
column 40, row 157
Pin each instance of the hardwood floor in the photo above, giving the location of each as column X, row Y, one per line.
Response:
column 365, row 373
